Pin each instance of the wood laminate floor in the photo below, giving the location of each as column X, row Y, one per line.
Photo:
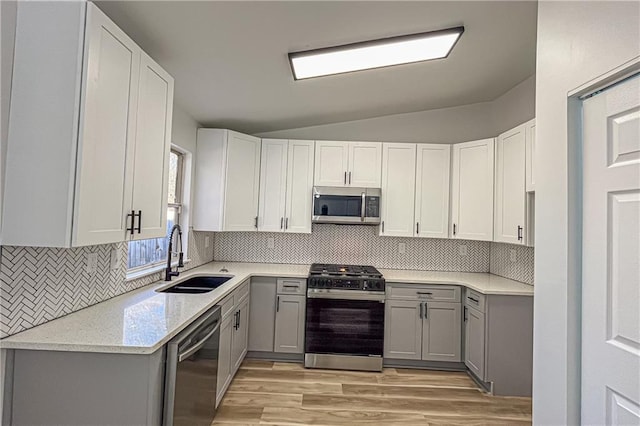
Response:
column 273, row 393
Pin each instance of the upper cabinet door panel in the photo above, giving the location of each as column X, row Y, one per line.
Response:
column 472, row 190
column 510, row 187
column 365, row 164
column 152, row 146
column 242, row 182
column 105, row 154
column 432, row 190
column 530, row 140
column 273, row 185
column 398, row 189
column 299, row 186
column 331, row 163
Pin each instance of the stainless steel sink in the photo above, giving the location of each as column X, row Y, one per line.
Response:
column 197, row 285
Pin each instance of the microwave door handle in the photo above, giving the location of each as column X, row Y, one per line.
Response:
column 362, row 208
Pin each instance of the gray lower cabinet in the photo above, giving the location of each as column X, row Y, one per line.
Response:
column 241, row 334
column 499, row 341
column 224, row 360
column 423, row 329
column 277, row 315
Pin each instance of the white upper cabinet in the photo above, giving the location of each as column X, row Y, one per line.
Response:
column 101, row 150
column 286, row 183
column 530, row 146
column 398, row 189
column 432, row 190
column 472, row 190
column 510, row 194
column 356, row 164
column 227, row 181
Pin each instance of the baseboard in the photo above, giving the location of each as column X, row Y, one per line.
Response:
column 275, row 356
column 424, row 365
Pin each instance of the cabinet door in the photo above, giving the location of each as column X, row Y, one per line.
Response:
column 152, row 145
column 398, row 189
column 299, row 186
column 365, row 164
column 442, row 332
column 403, row 329
column 530, row 143
column 290, row 319
column 242, row 182
column 432, row 190
column 224, row 356
column 262, row 314
column 273, row 185
column 240, row 335
column 104, row 173
column 472, row 190
column 474, row 356
column 510, row 187
column 331, row 163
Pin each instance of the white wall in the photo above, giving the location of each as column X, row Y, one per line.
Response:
column 577, row 42
column 447, row 125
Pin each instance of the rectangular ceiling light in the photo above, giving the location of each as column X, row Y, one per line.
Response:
column 374, row 54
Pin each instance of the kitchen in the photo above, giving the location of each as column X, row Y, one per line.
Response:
column 322, row 246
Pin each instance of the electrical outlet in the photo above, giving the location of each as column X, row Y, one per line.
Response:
column 402, row 248
column 512, row 255
column 462, row 250
column 271, row 243
column 115, row 258
column 207, row 242
column 92, row 263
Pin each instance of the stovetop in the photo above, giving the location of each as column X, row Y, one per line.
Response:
column 344, row 270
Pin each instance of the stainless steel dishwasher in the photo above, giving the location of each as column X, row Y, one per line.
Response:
column 191, row 373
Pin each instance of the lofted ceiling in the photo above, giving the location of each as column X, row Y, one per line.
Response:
column 231, row 70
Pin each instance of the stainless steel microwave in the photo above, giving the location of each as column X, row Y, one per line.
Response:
column 346, row 205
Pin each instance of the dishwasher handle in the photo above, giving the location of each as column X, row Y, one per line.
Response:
column 199, row 344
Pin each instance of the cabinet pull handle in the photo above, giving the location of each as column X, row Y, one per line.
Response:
column 473, row 299
column 239, row 316
column 464, row 314
column 426, row 311
column 349, row 178
column 383, row 226
column 139, row 221
column 286, row 223
column 428, row 293
column 256, row 222
column 417, row 228
column 520, row 233
column 454, row 229
column 421, row 311
column 132, row 215
column 278, row 304
column 235, row 320
column 291, row 286
column 281, row 222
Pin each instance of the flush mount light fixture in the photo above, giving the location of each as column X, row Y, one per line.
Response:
column 374, row 54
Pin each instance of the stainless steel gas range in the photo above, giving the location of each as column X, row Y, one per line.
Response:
column 345, row 317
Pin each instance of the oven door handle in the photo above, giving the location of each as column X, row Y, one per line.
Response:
column 193, row 349
column 345, row 295
column 364, row 203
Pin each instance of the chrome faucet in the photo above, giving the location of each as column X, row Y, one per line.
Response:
column 168, row 272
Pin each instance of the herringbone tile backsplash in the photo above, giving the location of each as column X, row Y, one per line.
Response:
column 39, row 284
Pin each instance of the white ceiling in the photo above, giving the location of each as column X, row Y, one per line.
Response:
column 231, row 70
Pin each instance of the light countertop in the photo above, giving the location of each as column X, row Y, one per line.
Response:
column 143, row 320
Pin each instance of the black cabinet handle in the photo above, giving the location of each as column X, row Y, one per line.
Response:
column 473, row 299
column 239, row 317
column 345, row 178
column 286, row 223
column 464, row 315
column 281, row 222
column 139, row 221
column 256, row 222
column 383, row 226
column 454, row 229
column 132, row 215
column 426, row 310
column 421, row 311
column 520, row 233
column 417, row 228
column 349, row 178
column 278, row 304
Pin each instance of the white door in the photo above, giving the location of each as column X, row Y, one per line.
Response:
column 105, row 152
column 152, row 146
column 273, row 185
column 365, row 164
column 398, row 189
column 403, row 329
column 242, row 183
column 472, row 190
column 432, row 190
column 611, row 257
column 510, row 187
column 530, row 141
column 331, row 163
column 299, row 186
column 290, row 320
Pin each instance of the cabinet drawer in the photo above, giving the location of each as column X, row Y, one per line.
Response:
column 440, row 293
column 292, row 286
column 475, row 300
column 241, row 292
column 226, row 306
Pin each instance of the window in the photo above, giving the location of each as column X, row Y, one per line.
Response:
column 148, row 253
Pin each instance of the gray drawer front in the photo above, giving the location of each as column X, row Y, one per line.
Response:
column 435, row 293
column 475, row 300
column 226, row 305
column 296, row 286
column 241, row 292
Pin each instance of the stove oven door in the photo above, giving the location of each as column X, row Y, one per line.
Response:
column 344, row 326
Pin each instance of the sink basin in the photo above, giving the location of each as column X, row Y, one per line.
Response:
column 197, row 285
